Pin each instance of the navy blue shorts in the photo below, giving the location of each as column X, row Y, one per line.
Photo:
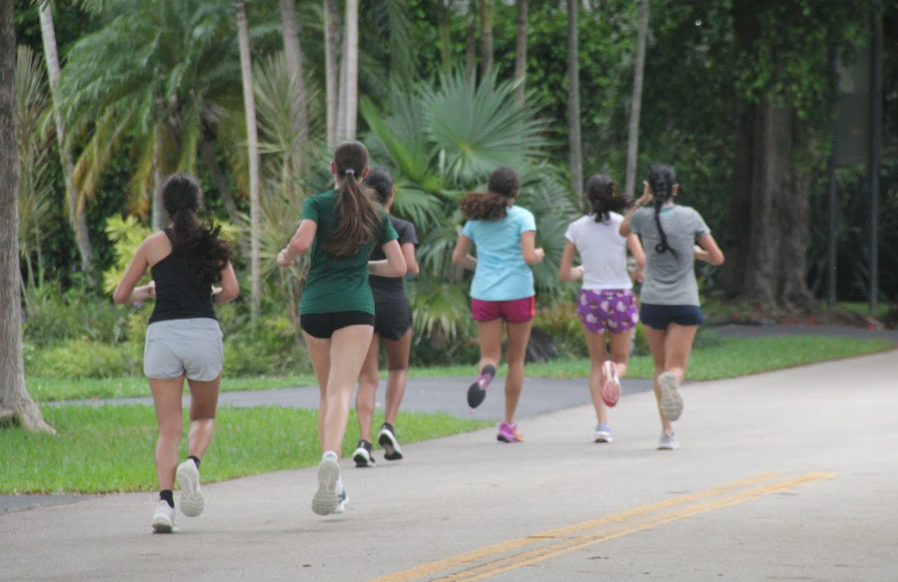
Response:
column 660, row 316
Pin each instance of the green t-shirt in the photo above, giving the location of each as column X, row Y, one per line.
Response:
column 337, row 283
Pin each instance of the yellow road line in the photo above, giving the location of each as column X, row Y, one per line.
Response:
column 495, row 550
column 580, row 542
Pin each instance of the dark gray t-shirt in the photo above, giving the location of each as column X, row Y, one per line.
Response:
column 392, row 287
column 669, row 276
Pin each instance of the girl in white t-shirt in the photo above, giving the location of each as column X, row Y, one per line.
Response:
column 606, row 302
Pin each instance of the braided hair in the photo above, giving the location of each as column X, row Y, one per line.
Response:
column 503, row 185
column 662, row 179
column 601, row 197
column 201, row 244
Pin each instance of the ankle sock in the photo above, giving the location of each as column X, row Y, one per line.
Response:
column 329, row 455
column 195, row 459
column 168, row 496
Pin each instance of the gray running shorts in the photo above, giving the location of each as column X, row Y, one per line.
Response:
column 191, row 347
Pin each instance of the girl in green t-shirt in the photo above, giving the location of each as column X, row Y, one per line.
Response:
column 338, row 230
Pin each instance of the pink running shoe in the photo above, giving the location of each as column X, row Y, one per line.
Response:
column 611, row 387
column 508, row 433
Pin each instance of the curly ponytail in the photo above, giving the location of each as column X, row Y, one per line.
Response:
column 200, row 244
column 359, row 218
column 602, row 199
column 503, row 185
column 661, row 180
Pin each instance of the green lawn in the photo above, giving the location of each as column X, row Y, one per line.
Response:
column 107, row 448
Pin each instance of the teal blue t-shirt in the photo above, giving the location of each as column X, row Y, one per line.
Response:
column 501, row 274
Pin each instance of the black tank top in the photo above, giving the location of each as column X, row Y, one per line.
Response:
column 179, row 293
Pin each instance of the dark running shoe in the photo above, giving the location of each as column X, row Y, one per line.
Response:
column 387, row 439
column 364, row 455
column 477, row 391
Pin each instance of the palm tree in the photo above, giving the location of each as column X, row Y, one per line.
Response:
column 486, row 37
column 573, row 73
column 520, row 53
column 249, row 103
column 76, row 212
column 16, row 405
column 349, row 78
column 35, row 190
column 636, row 105
column 157, row 73
column 293, row 52
column 331, row 68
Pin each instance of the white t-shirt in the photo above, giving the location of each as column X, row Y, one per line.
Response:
column 603, row 251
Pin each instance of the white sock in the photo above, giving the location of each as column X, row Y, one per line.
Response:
column 329, row 455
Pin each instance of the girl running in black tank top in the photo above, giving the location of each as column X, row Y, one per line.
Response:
column 183, row 339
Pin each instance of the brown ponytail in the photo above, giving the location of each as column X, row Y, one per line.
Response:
column 360, row 218
column 504, row 184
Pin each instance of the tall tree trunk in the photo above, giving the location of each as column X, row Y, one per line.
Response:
column 207, row 153
column 252, row 134
column 471, row 43
column 16, row 405
column 160, row 216
column 636, row 105
column 735, row 240
column 331, row 71
column 520, row 52
column 486, row 37
column 293, row 52
column 76, row 211
column 444, row 31
column 350, row 89
column 573, row 73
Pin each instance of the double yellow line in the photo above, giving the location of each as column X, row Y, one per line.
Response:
column 502, row 557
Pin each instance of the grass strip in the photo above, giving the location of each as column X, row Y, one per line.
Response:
column 102, row 449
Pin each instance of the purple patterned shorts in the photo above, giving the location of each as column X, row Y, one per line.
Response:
column 611, row 310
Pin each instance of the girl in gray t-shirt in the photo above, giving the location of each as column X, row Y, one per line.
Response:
column 670, row 310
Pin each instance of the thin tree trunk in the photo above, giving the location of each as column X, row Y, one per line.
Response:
column 207, row 153
column 351, row 71
column 471, row 44
column 636, row 104
column 293, row 52
column 331, row 33
column 160, row 216
column 445, row 35
column 736, row 238
column 76, row 211
column 520, row 53
column 252, row 134
column 16, row 405
column 573, row 72
column 486, row 37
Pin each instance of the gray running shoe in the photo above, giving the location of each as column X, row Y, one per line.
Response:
column 326, row 499
column 192, row 500
column 671, row 401
column 668, row 442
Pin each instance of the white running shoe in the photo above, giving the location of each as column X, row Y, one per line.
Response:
column 192, row 500
column 668, row 442
column 164, row 518
column 326, row 499
column 343, row 496
column 671, row 401
column 602, row 434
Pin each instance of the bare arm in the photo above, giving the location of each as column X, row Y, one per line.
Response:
column 408, row 253
column 708, row 251
column 393, row 266
column 644, row 200
column 532, row 255
column 300, row 243
column 127, row 291
column 567, row 272
column 460, row 255
column 636, row 250
column 230, row 288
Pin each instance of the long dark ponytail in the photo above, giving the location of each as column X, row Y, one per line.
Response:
column 206, row 253
column 662, row 179
column 503, row 185
column 602, row 199
column 359, row 218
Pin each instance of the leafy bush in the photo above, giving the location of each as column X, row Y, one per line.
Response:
column 52, row 316
column 81, row 358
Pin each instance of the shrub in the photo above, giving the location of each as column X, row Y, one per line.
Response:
column 80, row 358
column 52, row 316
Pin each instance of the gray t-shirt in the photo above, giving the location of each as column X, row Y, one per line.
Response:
column 669, row 276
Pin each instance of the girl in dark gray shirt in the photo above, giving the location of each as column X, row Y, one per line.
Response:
column 673, row 237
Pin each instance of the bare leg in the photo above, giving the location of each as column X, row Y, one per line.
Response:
column 595, row 343
column 620, row 351
column 365, row 397
column 203, row 404
column 657, row 340
column 397, row 362
column 518, row 337
column 169, row 417
column 490, row 333
column 348, row 350
column 678, row 348
column 319, row 353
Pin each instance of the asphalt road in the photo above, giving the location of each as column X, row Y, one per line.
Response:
column 791, row 475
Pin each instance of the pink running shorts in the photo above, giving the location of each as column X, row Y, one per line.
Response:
column 514, row 311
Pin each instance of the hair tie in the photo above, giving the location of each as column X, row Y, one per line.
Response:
column 349, row 172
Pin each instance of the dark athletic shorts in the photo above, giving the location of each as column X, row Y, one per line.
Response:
column 392, row 317
column 323, row 325
column 659, row 316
